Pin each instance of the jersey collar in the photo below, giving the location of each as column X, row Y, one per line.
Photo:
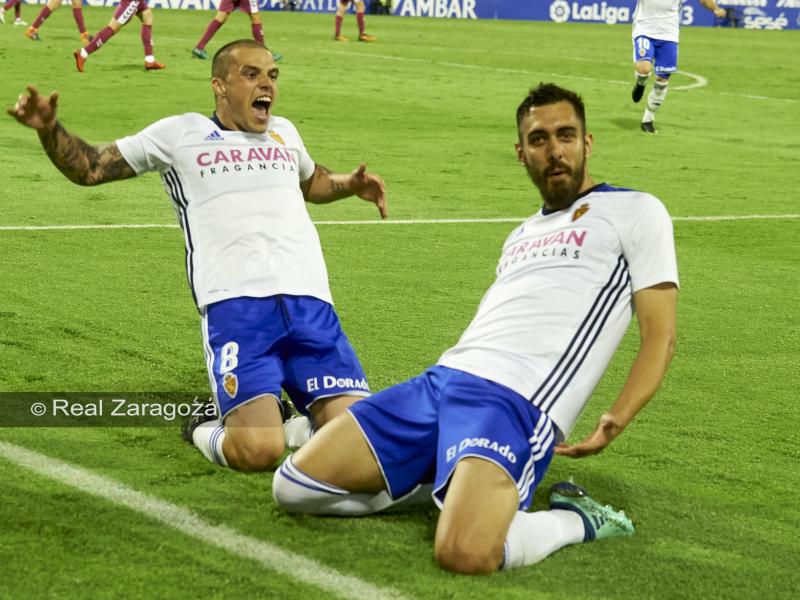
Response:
column 600, row 187
column 219, row 124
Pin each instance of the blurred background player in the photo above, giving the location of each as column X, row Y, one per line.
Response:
column 125, row 10
column 17, row 12
column 362, row 37
column 32, row 33
column 226, row 7
column 656, row 25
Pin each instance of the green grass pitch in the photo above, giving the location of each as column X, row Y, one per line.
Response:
column 709, row 471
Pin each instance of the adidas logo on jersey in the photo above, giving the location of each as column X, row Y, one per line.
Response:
column 214, row 136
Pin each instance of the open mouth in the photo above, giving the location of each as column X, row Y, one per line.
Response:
column 261, row 107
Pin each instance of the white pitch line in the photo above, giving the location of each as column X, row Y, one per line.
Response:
column 287, row 563
column 377, row 222
column 700, row 81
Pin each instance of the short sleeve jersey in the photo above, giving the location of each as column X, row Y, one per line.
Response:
column 657, row 19
column 562, row 300
column 238, row 200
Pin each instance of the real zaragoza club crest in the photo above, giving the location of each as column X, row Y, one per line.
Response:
column 230, row 383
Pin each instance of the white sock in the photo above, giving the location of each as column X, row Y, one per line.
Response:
column 84, row 53
column 297, row 492
column 534, row 536
column 654, row 100
column 208, row 438
column 149, row 58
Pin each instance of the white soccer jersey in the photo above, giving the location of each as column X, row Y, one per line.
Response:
column 657, row 19
column 550, row 323
column 239, row 203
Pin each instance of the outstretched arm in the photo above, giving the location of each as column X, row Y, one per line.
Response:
column 80, row 162
column 712, row 6
column 655, row 307
column 325, row 186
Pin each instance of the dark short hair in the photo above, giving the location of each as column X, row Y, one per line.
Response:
column 222, row 58
column 550, row 93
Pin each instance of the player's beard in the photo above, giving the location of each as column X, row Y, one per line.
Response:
column 561, row 193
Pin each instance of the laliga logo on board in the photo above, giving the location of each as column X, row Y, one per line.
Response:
column 755, row 18
column 561, row 11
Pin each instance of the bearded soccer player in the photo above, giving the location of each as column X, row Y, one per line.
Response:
column 484, row 423
column 32, row 33
column 122, row 16
column 239, row 181
column 226, row 7
column 340, row 12
column 656, row 27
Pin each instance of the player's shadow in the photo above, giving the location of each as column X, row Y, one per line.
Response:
column 625, row 123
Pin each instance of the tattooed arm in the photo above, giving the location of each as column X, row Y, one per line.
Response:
column 325, row 186
column 80, row 162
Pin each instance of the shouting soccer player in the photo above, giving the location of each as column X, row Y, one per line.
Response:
column 32, row 33
column 239, row 181
column 484, row 423
column 656, row 26
column 122, row 16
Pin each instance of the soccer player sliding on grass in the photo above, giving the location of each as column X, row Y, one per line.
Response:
column 484, row 423
column 239, row 181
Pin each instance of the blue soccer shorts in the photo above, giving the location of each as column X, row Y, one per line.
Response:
column 663, row 54
column 257, row 346
column 418, row 430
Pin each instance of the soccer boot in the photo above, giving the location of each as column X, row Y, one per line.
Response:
column 340, row 38
column 2, row 15
column 19, row 21
column 648, row 127
column 199, row 53
column 79, row 60
column 86, row 37
column 193, row 421
column 599, row 521
column 365, row 37
column 638, row 91
column 297, row 431
column 154, row 65
column 32, row 34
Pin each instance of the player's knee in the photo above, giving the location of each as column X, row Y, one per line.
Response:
column 644, row 67
column 460, row 556
column 257, row 453
column 221, row 16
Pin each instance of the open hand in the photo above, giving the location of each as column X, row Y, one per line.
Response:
column 369, row 187
column 606, row 430
column 35, row 110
